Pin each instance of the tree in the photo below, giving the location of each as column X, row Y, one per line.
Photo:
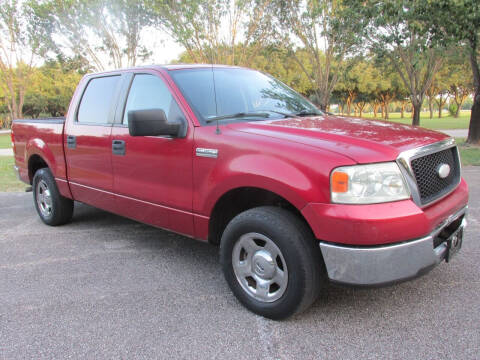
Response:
column 404, row 101
column 52, row 87
column 18, row 49
column 455, row 22
column 438, row 92
column 387, row 89
column 217, row 31
column 395, row 31
column 103, row 33
column 314, row 25
column 277, row 61
column 441, row 99
column 459, row 79
column 361, row 102
column 357, row 82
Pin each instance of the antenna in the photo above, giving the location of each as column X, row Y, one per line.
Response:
column 217, row 130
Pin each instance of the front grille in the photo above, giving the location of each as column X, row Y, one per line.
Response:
column 430, row 185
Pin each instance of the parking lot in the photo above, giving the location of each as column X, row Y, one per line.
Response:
column 107, row 287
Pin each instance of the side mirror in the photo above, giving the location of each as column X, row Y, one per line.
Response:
column 153, row 122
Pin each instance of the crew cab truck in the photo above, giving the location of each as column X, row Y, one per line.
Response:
column 293, row 196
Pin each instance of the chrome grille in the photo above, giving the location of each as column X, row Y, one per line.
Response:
column 430, row 185
column 420, row 167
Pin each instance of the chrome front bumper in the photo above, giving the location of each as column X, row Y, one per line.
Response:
column 382, row 265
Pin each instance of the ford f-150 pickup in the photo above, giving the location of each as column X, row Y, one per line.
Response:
column 294, row 197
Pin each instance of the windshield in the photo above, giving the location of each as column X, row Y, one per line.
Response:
column 238, row 91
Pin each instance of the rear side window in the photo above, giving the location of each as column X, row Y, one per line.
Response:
column 97, row 100
column 150, row 92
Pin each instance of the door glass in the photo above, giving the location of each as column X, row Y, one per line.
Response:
column 97, row 100
column 149, row 92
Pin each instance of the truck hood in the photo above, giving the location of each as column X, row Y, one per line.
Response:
column 364, row 141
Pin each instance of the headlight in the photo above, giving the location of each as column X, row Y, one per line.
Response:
column 368, row 184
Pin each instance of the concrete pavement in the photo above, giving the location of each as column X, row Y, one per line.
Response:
column 459, row 133
column 6, row 152
column 107, row 287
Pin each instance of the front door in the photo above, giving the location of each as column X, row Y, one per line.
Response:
column 152, row 175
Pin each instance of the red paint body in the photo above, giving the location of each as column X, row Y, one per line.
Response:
column 162, row 182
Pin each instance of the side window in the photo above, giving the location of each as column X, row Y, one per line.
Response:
column 97, row 99
column 149, row 92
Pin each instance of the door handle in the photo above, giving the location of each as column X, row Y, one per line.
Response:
column 71, row 141
column 118, row 147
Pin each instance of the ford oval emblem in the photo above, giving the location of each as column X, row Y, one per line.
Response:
column 443, row 170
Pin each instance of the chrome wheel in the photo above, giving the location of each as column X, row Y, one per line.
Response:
column 44, row 198
column 260, row 267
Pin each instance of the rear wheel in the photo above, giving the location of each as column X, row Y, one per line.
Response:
column 53, row 208
column 272, row 262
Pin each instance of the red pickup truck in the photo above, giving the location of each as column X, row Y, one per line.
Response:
column 294, row 197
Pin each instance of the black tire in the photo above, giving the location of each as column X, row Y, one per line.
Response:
column 300, row 251
column 61, row 208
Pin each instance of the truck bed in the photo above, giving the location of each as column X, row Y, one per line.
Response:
column 43, row 137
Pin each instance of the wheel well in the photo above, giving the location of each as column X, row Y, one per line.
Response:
column 35, row 163
column 238, row 200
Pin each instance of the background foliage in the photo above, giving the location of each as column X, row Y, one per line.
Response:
column 368, row 58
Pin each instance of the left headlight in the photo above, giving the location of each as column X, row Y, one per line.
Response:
column 368, row 184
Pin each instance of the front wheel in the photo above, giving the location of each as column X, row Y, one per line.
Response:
column 53, row 208
column 271, row 262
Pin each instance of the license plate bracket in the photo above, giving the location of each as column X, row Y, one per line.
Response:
column 454, row 244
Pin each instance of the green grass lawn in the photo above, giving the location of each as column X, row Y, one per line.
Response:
column 8, row 180
column 446, row 122
column 470, row 154
column 5, row 141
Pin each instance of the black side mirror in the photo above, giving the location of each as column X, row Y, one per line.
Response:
column 153, row 122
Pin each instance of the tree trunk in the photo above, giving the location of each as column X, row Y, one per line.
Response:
column 375, row 110
column 416, row 113
column 387, row 115
column 440, row 110
column 457, row 112
column 402, row 111
column 459, row 102
column 430, row 108
column 474, row 128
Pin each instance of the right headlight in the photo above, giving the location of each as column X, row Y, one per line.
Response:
column 368, row 184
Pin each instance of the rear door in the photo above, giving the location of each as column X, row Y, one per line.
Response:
column 88, row 146
column 153, row 174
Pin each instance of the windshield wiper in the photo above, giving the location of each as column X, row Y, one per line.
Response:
column 308, row 113
column 286, row 115
column 237, row 115
column 296, row 114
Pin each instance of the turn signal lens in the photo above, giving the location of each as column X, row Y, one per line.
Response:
column 339, row 182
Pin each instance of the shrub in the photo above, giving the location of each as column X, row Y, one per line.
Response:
column 452, row 109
